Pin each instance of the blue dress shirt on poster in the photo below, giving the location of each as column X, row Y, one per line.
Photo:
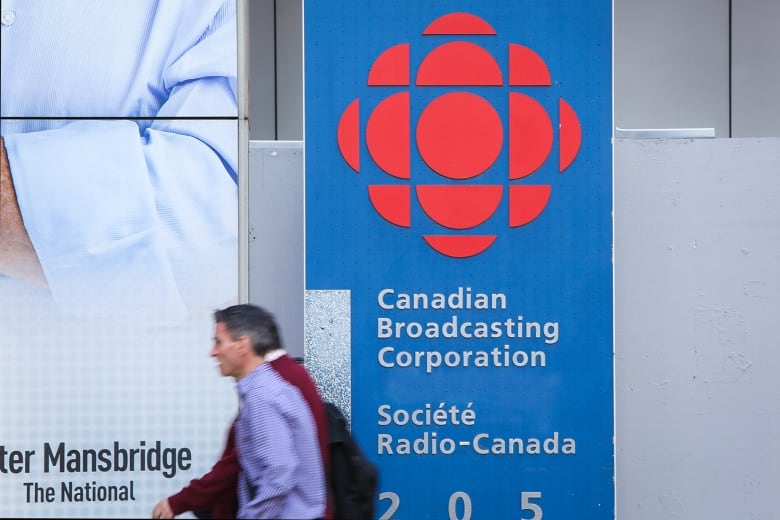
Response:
column 125, row 214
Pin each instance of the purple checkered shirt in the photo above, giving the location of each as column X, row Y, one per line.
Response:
column 276, row 440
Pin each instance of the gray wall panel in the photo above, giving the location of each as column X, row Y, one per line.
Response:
column 756, row 68
column 276, row 69
column 289, row 66
column 697, row 293
column 276, row 244
column 672, row 64
column 672, row 60
column 262, row 70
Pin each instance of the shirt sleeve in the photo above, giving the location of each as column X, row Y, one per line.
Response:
column 126, row 212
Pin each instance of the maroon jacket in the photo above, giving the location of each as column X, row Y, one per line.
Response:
column 216, row 491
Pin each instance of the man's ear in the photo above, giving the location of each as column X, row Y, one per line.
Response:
column 244, row 345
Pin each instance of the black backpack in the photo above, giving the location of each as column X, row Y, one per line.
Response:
column 354, row 479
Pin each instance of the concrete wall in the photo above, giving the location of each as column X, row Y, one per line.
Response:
column 697, row 298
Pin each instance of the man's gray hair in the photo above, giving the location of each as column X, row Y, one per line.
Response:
column 254, row 322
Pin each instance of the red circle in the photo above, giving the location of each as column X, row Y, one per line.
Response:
column 459, row 135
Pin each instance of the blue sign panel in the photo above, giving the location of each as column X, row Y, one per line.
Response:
column 459, row 189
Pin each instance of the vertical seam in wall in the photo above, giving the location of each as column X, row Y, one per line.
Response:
column 731, row 73
column 276, row 74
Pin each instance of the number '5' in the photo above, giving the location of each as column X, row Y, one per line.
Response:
column 527, row 505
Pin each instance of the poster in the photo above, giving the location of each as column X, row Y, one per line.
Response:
column 458, row 170
column 118, row 240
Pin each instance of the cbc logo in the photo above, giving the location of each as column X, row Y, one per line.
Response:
column 459, row 136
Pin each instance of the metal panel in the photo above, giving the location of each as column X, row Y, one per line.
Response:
column 755, row 73
column 276, row 268
column 697, row 288
column 671, row 67
column 672, row 64
column 262, row 70
column 664, row 133
column 289, row 69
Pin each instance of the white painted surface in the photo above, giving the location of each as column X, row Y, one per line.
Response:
column 276, row 241
column 697, row 301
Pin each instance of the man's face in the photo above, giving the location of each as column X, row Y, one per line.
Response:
column 227, row 352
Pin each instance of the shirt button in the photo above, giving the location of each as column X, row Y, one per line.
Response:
column 8, row 18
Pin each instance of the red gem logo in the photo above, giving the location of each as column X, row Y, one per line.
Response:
column 459, row 135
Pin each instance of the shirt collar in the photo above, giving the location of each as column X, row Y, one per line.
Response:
column 274, row 355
